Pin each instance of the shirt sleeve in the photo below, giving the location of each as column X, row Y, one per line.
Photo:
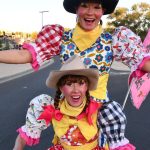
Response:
column 112, row 122
column 32, row 129
column 128, row 48
column 46, row 45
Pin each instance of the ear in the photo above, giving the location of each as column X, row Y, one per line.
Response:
column 103, row 10
column 60, row 88
column 77, row 19
column 76, row 8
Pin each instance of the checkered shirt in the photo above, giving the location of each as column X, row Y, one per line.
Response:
column 49, row 40
column 112, row 122
column 46, row 45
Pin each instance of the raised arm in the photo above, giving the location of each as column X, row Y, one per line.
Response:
column 146, row 43
column 15, row 56
column 129, row 49
column 30, row 132
column 46, row 46
column 146, row 66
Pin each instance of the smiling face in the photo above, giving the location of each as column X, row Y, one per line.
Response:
column 74, row 89
column 89, row 15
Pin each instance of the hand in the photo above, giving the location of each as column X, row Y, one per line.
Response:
column 146, row 67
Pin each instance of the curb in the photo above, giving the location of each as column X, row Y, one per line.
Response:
column 23, row 73
column 115, row 69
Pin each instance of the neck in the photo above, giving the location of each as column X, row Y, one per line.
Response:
column 69, row 110
column 87, row 30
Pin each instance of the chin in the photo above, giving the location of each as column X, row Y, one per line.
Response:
column 76, row 104
column 89, row 28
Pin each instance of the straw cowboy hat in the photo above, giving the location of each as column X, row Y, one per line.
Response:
column 108, row 5
column 73, row 66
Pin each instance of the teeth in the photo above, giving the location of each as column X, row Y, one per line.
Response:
column 89, row 19
column 75, row 96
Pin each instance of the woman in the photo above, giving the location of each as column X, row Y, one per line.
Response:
column 96, row 49
column 71, row 115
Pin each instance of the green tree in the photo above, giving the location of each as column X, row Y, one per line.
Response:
column 137, row 19
column 7, row 45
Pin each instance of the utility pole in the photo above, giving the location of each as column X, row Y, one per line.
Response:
column 42, row 12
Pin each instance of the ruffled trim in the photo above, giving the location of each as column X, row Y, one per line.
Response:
column 125, row 147
column 29, row 141
column 119, row 143
column 31, row 49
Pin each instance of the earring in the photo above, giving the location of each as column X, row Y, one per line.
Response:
column 77, row 19
column 101, row 22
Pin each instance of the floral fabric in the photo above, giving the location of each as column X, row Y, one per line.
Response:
column 139, row 80
column 33, row 127
column 127, row 47
column 99, row 55
column 140, row 89
column 60, row 147
column 123, row 46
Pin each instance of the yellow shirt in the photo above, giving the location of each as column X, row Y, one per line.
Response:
column 84, row 40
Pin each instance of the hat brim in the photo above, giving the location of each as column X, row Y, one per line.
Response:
column 108, row 5
column 91, row 74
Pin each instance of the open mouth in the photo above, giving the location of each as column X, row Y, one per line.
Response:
column 76, row 98
column 88, row 20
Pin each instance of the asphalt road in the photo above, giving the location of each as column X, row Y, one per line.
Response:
column 16, row 95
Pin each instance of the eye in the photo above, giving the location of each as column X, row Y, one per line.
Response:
column 85, row 5
column 82, row 82
column 69, row 83
column 98, row 6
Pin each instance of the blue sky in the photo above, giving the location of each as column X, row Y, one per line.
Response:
column 24, row 15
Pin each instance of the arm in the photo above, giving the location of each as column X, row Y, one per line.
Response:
column 129, row 49
column 15, row 56
column 20, row 143
column 146, row 44
column 46, row 46
column 29, row 134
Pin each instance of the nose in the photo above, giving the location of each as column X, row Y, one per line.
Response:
column 75, row 87
column 90, row 10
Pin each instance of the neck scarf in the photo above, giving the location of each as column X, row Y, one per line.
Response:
column 68, row 110
column 85, row 39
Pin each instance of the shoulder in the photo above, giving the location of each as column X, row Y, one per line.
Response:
column 106, row 36
column 68, row 32
column 123, row 31
column 42, row 100
column 55, row 27
column 54, row 30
